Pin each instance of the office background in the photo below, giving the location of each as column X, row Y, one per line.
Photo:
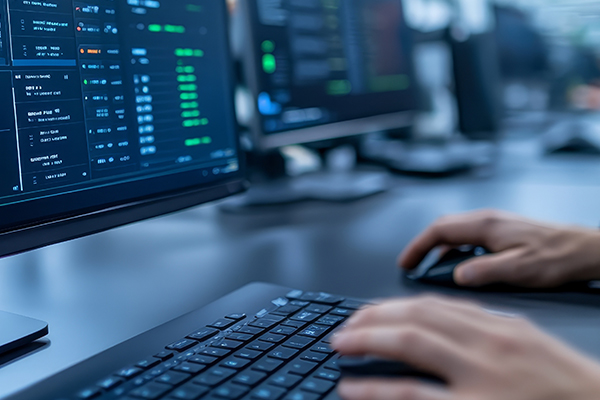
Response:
column 540, row 158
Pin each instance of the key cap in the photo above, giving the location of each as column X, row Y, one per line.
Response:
column 148, row 363
column 164, row 355
column 318, row 386
column 248, row 354
column 294, row 324
column 234, row 363
column 240, row 337
column 228, row 344
column 298, row 395
column 283, row 353
column 250, row 378
column 236, row 316
column 260, row 346
column 287, row 310
column 263, row 323
column 283, row 330
column 89, row 393
column 330, row 320
column 298, row 342
column 271, row 338
column 299, row 303
column 110, row 383
column 190, row 368
column 172, row 378
column 230, row 391
column 312, row 356
column 318, row 308
column 203, row 334
column 285, row 380
column 342, row 312
column 189, row 391
column 222, row 324
column 214, row 352
column 129, row 373
column 305, row 316
column 202, row 359
column 214, row 376
column 353, row 304
column 151, row 391
column 251, row 330
column 328, row 375
column 332, row 363
column 182, row 345
column 324, row 298
column 314, row 331
column 267, row 392
column 267, row 365
column 301, row 367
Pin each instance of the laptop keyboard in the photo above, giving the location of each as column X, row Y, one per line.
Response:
column 283, row 354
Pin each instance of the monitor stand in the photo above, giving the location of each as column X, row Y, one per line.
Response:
column 330, row 184
column 17, row 331
column 444, row 157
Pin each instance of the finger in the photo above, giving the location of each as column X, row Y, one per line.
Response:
column 443, row 315
column 382, row 389
column 449, row 231
column 485, row 270
column 418, row 347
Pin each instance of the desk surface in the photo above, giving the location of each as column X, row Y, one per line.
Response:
column 99, row 291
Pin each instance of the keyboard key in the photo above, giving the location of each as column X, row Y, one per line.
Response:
column 353, row 304
column 314, row 331
column 228, row 344
column 332, row 364
column 129, row 373
column 287, row 310
column 267, row 365
column 235, row 363
column 271, row 338
column 248, row 354
column 190, row 368
column 203, row 334
column 299, row 303
column 313, row 356
column 298, row 342
column 173, row 378
column 330, row 320
column 275, row 317
column 285, row 380
column 110, row 383
column 250, row 378
column 202, row 359
column 343, row 312
column 283, row 330
column 260, row 346
column 214, row 376
column 230, row 391
column 151, row 391
column 236, row 316
column 283, row 353
column 295, row 294
column 318, row 386
column 89, row 393
column 305, row 316
column 301, row 367
column 324, row 298
column 164, row 355
column 214, row 352
column 318, row 308
column 148, row 363
column 189, row 391
column 182, row 345
column 328, row 375
column 294, row 324
column 263, row 323
column 241, row 337
column 267, row 392
column 222, row 323
column 298, row 395
column 322, row 348
column 250, row 330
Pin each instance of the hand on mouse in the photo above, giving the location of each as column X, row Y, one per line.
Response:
column 481, row 356
column 526, row 253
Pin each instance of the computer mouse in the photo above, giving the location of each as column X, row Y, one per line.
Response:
column 441, row 271
column 369, row 367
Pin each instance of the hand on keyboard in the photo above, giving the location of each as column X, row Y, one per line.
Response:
column 527, row 253
column 481, row 356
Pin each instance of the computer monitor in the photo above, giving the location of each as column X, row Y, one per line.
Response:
column 112, row 112
column 320, row 70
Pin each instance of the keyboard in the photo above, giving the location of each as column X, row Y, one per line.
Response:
column 278, row 351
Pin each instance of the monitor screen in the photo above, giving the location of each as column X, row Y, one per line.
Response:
column 321, row 62
column 111, row 102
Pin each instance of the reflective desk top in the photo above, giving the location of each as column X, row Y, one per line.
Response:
column 99, row 291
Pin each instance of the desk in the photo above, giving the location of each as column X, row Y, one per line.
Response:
column 99, row 291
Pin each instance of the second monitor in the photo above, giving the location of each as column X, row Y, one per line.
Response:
column 326, row 69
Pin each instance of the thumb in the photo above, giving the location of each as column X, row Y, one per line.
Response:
column 485, row 270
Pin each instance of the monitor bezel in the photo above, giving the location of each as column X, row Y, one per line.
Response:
column 267, row 142
column 85, row 222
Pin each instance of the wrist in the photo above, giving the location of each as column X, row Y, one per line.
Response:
column 586, row 255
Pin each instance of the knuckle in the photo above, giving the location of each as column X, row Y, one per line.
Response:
column 409, row 337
